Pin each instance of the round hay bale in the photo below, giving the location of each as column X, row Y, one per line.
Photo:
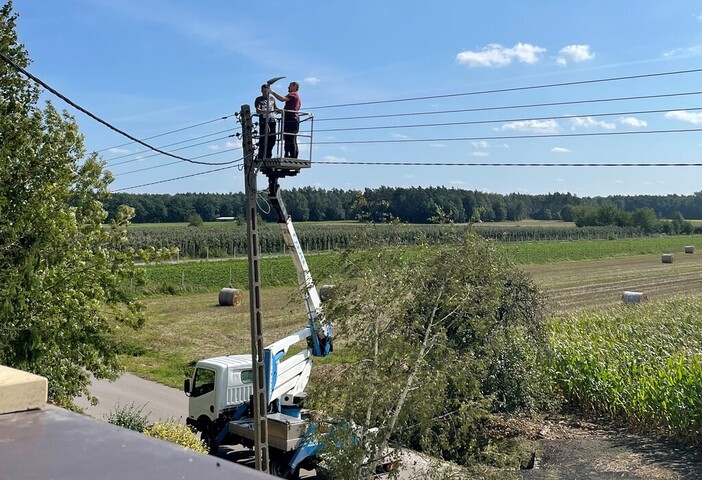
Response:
column 229, row 297
column 325, row 292
column 689, row 249
column 667, row 258
column 633, row 297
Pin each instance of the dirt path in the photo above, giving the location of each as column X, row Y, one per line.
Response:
column 572, row 449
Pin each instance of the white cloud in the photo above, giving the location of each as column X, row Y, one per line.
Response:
column 533, row 126
column 589, row 122
column 400, row 136
column 633, row 122
column 699, row 17
column 495, row 55
column 560, row 180
column 311, row 80
column 574, row 54
column 690, row 117
column 213, row 147
column 118, row 150
column 480, row 154
column 232, row 144
column 480, row 144
column 333, row 159
column 438, row 145
column 684, row 52
column 409, row 175
column 560, row 150
column 619, row 182
column 457, row 182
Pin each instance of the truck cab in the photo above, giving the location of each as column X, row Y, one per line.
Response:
column 217, row 388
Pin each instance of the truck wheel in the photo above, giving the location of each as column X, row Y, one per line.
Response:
column 279, row 467
column 208, row 436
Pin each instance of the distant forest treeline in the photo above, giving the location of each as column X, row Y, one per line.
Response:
column 413, row 205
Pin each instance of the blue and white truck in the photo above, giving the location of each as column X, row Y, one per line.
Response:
column 220, row 389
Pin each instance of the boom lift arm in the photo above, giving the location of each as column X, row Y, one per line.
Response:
column 321, row 338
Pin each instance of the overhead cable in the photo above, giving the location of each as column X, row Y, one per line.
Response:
column 95, row 117
column 509, row 137
column 173, row 163
column 512, row 89
column 175, row 178
column 174, row 150
column 508, row 120
column 505, row 164
column 170, row 145
column 172, row 131
column 508, row 107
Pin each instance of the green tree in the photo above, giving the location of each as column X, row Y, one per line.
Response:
column 567, row 213
column 645, row 218
column 442, row 339
column 64, row 279
column 679, row 225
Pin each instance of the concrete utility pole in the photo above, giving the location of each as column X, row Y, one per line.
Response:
column 259, row 405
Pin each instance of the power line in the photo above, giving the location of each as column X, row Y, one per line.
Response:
column 174, row 150
column 173, row 163
column 170, row 145
column 505, row 164
column 93, row 116
column 509, row 137
column 176, row 178
column 508, row 120
column 507, row 107
column 475, row 122
column 440, row 164
column 171, row 131
column 512, row 89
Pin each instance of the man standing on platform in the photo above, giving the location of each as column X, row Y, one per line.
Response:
column 266, row 108
column 291, row 119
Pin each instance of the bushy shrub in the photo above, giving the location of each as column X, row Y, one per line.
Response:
column 130, row 417
column 448, row 338
column 177, row 433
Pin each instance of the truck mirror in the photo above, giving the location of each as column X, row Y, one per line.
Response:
column 186, row 386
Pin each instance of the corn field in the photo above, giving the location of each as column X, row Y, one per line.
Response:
column 640, row 363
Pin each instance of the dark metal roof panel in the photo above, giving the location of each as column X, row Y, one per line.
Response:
column 57, row 444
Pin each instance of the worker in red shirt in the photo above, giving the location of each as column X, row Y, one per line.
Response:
column 291, row 119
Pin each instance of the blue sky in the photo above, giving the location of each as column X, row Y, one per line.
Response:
column 154, row 66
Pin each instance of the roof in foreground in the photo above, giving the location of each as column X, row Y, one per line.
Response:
column 58, row 444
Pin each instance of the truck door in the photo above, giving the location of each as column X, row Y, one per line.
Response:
column 202, row 395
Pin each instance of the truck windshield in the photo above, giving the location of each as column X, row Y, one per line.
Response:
column 204, row 382
column 246, row 376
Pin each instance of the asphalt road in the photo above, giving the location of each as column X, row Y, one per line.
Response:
column 165, row 403
column 157, row 401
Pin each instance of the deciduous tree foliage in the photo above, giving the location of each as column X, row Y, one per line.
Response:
column 442, row 340
column 64, row 278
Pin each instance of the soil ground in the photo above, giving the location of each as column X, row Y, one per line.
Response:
column 573, row 449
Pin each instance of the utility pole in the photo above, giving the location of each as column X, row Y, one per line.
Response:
column 259, row 404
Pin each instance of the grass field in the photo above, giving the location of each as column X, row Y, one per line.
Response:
column 594, row 337
column 279, row 271
column 184, row 328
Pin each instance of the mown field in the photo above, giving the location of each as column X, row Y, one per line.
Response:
column 639, row 363
column 279, row 270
